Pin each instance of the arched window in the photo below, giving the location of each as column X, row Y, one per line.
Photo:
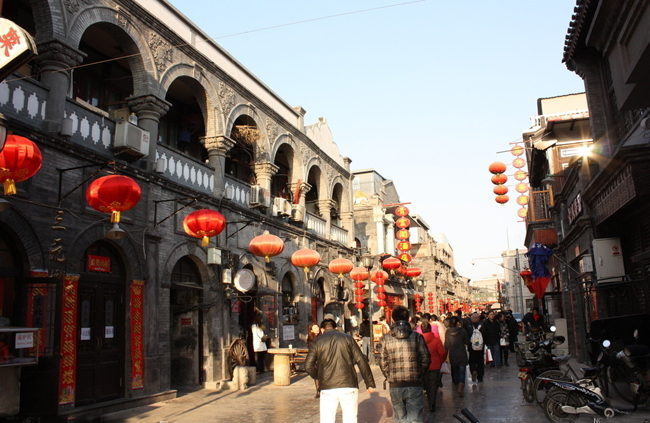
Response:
column 240, row 159
column 289, row 309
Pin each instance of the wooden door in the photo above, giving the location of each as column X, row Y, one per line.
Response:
column 100, row 341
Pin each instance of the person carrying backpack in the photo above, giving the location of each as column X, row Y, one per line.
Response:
column 476, row 333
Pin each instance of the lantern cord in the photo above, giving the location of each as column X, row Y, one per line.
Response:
column 61, row 171
column 247, row 222
column 155, row 211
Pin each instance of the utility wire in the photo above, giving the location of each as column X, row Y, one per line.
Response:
column 237, row 34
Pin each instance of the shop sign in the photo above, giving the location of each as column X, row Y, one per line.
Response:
column 137, row 334
column 99, row 264
column 17, row 47
column 186, row 321
column 244, row 280
column 25, row 340
column 68, row 361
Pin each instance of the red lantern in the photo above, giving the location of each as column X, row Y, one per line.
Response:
column 266, row 246
column 404, row 246
column 502, row 199
column 500, row 190
column 522, row 212
column 519, row 162
column 401, row 211
column 413, row 272
column 520, row 175
column 359, row 305
column 391, row 264
column 403, row 222
column 380, row 288
column 204, row 224
column 527, row 276
column 522, row 200
column 359, row 284
column 359, row 274
column 358, row 299
column 517, row 150
column 381, row 296
column 403, row 234
column 113, row 194
column 521, row 187
column 405, row 257
column 305, row 258
column 340, row 266
column 381, row 303
column 358, row 291
column 19, row 160
column 497, row 167
column 378, row 276
column 499, row 179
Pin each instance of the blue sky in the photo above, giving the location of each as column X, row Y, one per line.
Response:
column 426, row 92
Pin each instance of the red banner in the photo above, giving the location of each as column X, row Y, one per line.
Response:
column 99, row 264
column 68, row 363
column 137, row 334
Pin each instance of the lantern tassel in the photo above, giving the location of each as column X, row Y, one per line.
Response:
column 306, row 269
column 115, row 216
column 267, row 259
column 205, row 241
column 9, row 187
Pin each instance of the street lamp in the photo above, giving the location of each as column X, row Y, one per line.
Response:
column 367, row 261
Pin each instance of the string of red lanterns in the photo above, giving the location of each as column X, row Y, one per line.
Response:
column 499, row 179
column 359, row 274
column 520, row 175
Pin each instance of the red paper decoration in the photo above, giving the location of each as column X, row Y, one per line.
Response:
column 305, row 258
column 340, row 266
column 380, row 288
column 404, row 246
column 413, row 272
column 266, row 246
column 521, row 187
column 522, row 200
column 403, row 234
column 522, row 212
column 520, row 175
column 403, row 222
column 401, row 211
column 359, row 305
column 517, row 150
column 519, row 162
column 204, row 224
column 497, row 167
column 405, row 257
column 377, row 276
column 113, row 194
column 20, row 159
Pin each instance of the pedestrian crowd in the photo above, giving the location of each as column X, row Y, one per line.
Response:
column 414, row 354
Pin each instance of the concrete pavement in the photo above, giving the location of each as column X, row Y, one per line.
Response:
column 497, row 399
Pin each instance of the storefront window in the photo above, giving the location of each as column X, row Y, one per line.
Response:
column 289, row 309
column 267, row 306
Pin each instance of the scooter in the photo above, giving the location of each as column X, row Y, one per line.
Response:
column 529, row 370
column 567, row 400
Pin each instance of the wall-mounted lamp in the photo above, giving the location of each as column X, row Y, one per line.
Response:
column 66, row 127
column 161, row 165
column 214, row 255
column 115, row 232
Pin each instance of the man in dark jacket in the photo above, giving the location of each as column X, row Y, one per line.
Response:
column 404, row 360
column 491, row 338
column 331, row 361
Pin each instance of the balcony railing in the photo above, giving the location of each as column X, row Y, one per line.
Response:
column 90, row 129
column 23, row 100
column 316, row 225
column 539, row 207
column 186, row 171
column 339, row 234
column 241, row 191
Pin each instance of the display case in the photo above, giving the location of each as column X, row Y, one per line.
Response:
column 18, row 346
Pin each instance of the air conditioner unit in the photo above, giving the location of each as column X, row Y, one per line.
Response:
column 259, row 197
column 131, row 139
column 282, row 206
column 298, row 212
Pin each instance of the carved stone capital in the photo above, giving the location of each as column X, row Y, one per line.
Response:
column 149, row 103
column 266, row 169
column 219, row 142
column 378, row 214
column 325, row 206
column 304, row 187
column 55, row 55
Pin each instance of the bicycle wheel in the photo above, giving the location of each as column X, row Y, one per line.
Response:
column 527, row 389
column 620, row 380
column 555, row 399
column 541, row 386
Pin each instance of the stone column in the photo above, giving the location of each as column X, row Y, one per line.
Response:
column 378, row 218
column 217, row 148
column 149, row 109
column 347, row 222
column 325, row 211
column 55, row 59
column 390, row 234
column 264, row 171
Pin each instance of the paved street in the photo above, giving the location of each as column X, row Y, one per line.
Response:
column 498, row 399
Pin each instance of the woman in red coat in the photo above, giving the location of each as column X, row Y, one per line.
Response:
column 438, row 356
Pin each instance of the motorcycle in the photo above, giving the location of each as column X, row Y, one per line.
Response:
column 567, row 400
column 545, row 362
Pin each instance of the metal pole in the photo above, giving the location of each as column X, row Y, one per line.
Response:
column 371, row 359
column 519, row 287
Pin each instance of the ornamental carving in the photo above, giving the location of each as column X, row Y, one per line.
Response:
column 73, row 6
column 245, row 134
column 149, row 103
column 227, row 96
column 306, row 152
column 218, row 143
column 121, row 20
column 161, row 50
column 271, row 129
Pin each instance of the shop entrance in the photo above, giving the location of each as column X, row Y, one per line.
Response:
column 100, row 327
